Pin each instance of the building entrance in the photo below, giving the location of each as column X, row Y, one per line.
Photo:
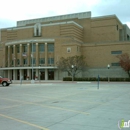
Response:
column 50, row 74
column 42, row 75
column 25, row 74
column 18, row 75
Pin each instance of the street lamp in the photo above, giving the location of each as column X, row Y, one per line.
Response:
column 72, row 66
column 108, row 66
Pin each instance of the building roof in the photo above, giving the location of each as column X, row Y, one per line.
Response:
column 55, row 18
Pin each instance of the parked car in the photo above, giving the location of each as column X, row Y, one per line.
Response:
column 5, row 81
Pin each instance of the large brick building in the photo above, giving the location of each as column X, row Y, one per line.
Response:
column 100, row 39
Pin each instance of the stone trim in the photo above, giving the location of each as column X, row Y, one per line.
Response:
column 29, row 41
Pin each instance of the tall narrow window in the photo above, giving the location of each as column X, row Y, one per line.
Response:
column 24, row 48
column 34, row 61
column 128, row 37
column 50, row 47
column 37, row 30
column 24, row 61
column 34, row 48
column 117, row 27
column 18, row 62
column 41, row 47
column 18, row 49
column 12, row 49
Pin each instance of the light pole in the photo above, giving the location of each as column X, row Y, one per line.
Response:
column 72, row 66
column 108, row 66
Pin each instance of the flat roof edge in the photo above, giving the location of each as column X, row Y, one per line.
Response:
column 55, row 18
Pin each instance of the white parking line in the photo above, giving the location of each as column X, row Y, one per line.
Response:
column 84, row 82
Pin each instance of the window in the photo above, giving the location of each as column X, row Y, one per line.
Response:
column 34, row 48
column 34, row 61
column 117, row 27
column 24, row 61
column 42, row 61
column 37, row 30
column 50, row 60
column 12, row 49
column 42, row 47
column 115, row 64
column 24, row 48
column 18, row 49
column 18, row 62
column 116, row 52
column 78, row 48
column 128, row 37
column 50, row 47
column 12, row 62
column 68, row 49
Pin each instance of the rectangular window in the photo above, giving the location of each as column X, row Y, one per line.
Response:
column 42, row 61
column 12, row 62
column 24, row 48
column 116, row 52
column 42, row 47
column 24, row 61
column 50, row 47
column 68, row 49
column 117, row 27
column 115, row 64
column 34, row 61
column 18, row 49
column 34, row 48
column 12, row 49
column 50, row 60
column 18, row 62
column 128, row 37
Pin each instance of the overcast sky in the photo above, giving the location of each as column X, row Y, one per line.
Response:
column 16, row 10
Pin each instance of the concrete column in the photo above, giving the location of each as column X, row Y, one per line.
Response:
column 46, row 74
column 37, row 74
column 37, row 55
column 46, row 56
column 9, row 74
column 21, row 73
column 14, row 74
column 14, row 55
column 28, row 73
column 9, row 56
column 29, row 55
column 21, row 57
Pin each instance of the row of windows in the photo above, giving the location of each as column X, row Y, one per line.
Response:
column 41, row 61
column 41, row 46
column 69, row 49
column 116, row 52
column 115, row 64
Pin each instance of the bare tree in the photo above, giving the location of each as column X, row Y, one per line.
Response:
column 125, row 62
column 78, row 62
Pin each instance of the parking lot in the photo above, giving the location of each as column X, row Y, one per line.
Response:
column 64, row 106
